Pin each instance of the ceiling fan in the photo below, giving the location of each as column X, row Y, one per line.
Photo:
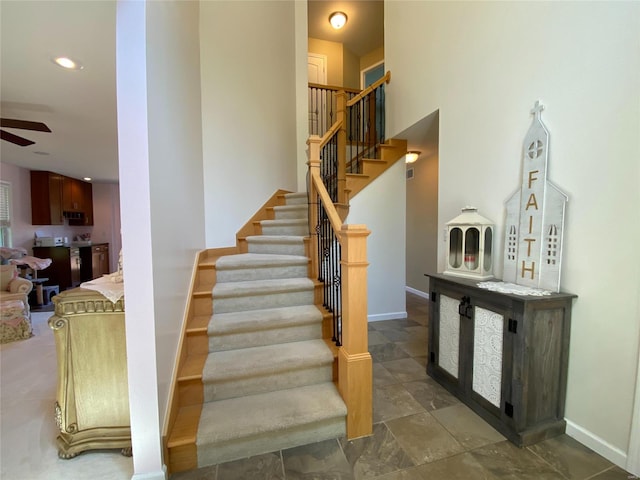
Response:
column 23, row 125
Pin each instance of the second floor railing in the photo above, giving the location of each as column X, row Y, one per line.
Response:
column 323, row 106
column 360, row 115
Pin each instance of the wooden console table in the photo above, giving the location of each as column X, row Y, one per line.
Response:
column 92, row 400
column 504, row 355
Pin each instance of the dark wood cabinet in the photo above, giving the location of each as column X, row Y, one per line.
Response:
column 503, row 355
column 46, row 198
column 55, row 197
column 94, row 261
column 64, row 270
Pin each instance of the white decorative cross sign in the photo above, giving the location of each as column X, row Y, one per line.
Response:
column 535, row 217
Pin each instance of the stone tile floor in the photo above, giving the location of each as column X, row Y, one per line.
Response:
column 420, row 432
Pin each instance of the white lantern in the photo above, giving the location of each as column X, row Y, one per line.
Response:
column 470, row 245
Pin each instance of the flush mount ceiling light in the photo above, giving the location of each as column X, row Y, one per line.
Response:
column 66, row 62
column 87, row 179
column 412, row 156
column 337, row 20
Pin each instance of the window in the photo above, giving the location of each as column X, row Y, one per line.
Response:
column 5, row 214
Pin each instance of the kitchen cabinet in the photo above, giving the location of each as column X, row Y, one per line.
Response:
column 94, row 261
column 55, row 197
column 64, row 270
column 46, row 198
column 77, row 201
column 72, row 195
column 504, row 355
column 92, row 395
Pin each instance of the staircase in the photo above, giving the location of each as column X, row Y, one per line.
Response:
column 268, row 376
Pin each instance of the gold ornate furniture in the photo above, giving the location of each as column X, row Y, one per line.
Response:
column 92, row 401
column 15, row 319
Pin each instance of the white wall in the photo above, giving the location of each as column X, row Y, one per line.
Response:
column 381, row 207
column 483, row 65
column 248, row 110
column 159, row 139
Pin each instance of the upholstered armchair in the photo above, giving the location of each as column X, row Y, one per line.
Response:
column 15, row 316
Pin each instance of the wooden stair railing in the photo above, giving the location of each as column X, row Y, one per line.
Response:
column 358, row 162
column 355, row 377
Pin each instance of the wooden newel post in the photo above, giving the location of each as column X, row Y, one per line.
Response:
column 354, row 361
column 314, row 169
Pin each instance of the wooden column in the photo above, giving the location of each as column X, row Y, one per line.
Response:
column 354, row 361
column 314, row 168
column 341, row 102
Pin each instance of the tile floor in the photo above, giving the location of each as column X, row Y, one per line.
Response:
column 421, row 432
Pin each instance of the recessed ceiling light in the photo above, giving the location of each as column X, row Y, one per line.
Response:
column 66, row 62
column 87, row 179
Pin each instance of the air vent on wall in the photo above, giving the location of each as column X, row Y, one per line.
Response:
column 409, row 173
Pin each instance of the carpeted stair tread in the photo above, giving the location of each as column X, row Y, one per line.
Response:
column 296, row 198
column 291, row 211
column 258, row 260
column 261, row 320
column 285, row 222
column 260, row 287
column 292, row 239
column 264, row 327
column 265, row 414
column 261, row 266
column 249, row 371
column 259, row 361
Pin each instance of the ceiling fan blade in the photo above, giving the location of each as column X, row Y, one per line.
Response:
column 10, row 137
column 23, row 124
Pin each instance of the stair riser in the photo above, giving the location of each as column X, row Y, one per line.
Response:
column 298, row 230
column 259, row 302
column 262, row 273
column 291, row 214
column 296, row 199
column 260, row 338
column 238, row 387
column 211, row 454
column 277, row 248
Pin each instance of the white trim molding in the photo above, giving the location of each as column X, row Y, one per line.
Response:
column 633, row 455
column 417, row 292
column 597, row 444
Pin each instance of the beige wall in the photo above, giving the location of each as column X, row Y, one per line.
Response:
column 422, row 222
column 483, row 65
column 371, row 58
column 351, row 69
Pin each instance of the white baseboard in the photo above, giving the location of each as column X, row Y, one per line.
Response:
column 597, row 444
column 378, row 317
column 160, row 475
column 417, row 292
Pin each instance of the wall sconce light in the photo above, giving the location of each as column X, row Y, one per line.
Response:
column 338, row 20
column 411, row 157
